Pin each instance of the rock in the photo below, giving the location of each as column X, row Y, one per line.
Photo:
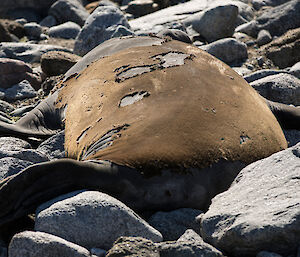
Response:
column 214, row 23
column 33, row 30
column 228, row 50
column 263, row 37
column 285, row 50
column 99, row 27
column 69, row 10
column 5, row 35
column 57, row 62
column 6, row 107
column 26, row 155
column 53, row 147
column 242, row 71
column 260, row 211
column 14, row 71
column 259, row 74
column 10, row 166
column 257, row 4
column 27, row 52
column 190, row 236
column 173, row 224
column 133, row 247
column 19, row 91
column 175, row 34
column 141, row 7
column 283, row 88
column 66, row 30
column 295, row 70
column 34, row 244
column 13, row 144
column 48, row 21
column 292, row 136
column 13, row 27
column 97, row 220
column 267, row 254
column 279, row 19
column 250, row 28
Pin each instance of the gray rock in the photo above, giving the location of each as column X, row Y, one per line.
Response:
column 91, row 219
column 21, row 21
column 250, row 28
column 141, row 7
column 261, row 74
column 292, row 136
column 257, row 4
column 13, row 144
column 66, row 30
column 10, row 166
column 99, row 27
column 267, row 254
column 260, row 211
column 33, row 30
column 54, row 146
column 133, row 247
column 26, row 155
column 263, row 37
column 295, row 70
column 242, row 71
column 187, row 249
column 214, row 23
column 48, row 21
column 69, row 10
column 228, row 50
column 27, row 52
column 190, row 236
column 283, row 88
column 37, row 244
column 6, row 107
column 173, row 224
column 19, row 91
column 279, row 19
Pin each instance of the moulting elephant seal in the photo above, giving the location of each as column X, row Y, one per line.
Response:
column 175, row 124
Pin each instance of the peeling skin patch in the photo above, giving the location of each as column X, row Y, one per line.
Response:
column 132, row 98
column 105, row 141
column 166, row 60
column 83, row 133
column 244, row 139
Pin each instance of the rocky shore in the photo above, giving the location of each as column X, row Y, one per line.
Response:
column 259, row 215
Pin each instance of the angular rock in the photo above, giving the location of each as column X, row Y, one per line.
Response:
column 34, row 244
column 263, row 37
column 283, row 88
column 260, row 211
column 33, row 30
column 175, row 34
column 295, row 70
column 26, row 155
column 97, row 220
column 228, row 50
column 173, row 224
column 53, row 147
column 285, row 50
column 5, row 35
column 19, row 91
column 14, row 71
column 99, row 27
column 190, row 236
column 27, row 52
column 57, row 62
column 279, row 19
column 215, row 23
column 48, row 21
column 261, row 74
column 10, row 166
column 133, row 247
column 66, row 30
column 69, row 10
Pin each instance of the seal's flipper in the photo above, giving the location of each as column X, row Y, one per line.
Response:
column 288, row 116
column 43, row 121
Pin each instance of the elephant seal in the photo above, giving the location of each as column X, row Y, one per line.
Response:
column 157, row 123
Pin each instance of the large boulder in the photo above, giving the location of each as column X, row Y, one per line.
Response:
column 260, row 211
column 67, row 30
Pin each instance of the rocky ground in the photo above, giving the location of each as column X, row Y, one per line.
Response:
column 259, row 215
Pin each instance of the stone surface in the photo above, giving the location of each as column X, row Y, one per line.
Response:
column 14, row 71
column 263, row 37
column 133, row 247
column 57, row 62
column 100, row 26
column 36, row 244
column 250, row 28
column 141, row 7
column 257, row 4
column 261, row 74
column 27, row 52
column 283, row 88
column 214, row 23
column 228, row 50
column 53, row 147
column 66, row 30
column 19, row 91
column 97, row 219
column 295, row 70
column 285, row 50
column 190, row 236
column 9, row 30
column 13, row 144
column 33, row 30
column 69, row 10
column 10, row 166
column 173, row 224
column 48, row 21
column 25, row 154
column 260, row 211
